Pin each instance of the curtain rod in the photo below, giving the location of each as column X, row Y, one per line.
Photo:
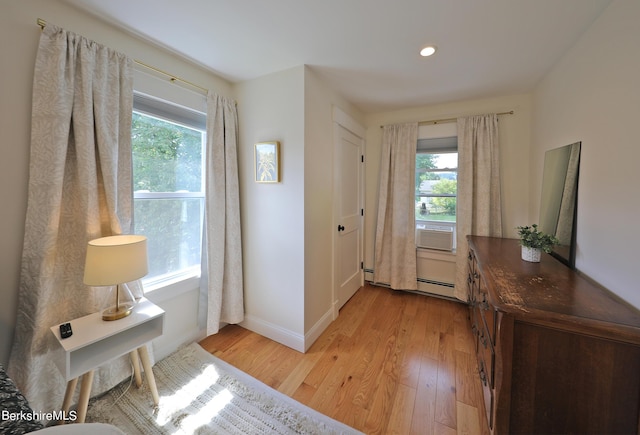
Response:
column 446, row 120
column 172, row 78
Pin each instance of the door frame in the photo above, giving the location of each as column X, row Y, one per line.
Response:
column 344, row 120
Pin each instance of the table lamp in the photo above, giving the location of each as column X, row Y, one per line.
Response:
column 113, row 261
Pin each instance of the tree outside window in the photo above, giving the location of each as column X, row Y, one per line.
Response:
column 168, row 192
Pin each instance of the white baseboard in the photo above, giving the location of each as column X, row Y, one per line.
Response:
column 275, row 332
column 286, row 337
column 317, row 329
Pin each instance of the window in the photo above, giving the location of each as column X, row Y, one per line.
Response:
column 168, row 182
column 436, row 183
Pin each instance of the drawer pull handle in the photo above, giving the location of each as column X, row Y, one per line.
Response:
column 483, row 375
column 483, row 340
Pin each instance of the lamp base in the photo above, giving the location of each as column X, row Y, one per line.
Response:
column 118, row 312
column 123, row 306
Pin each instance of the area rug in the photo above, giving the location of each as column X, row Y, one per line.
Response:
column 201, row 394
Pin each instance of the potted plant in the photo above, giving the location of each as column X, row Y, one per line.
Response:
column 534, row 242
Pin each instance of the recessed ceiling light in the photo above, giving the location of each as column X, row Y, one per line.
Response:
column 428, row 50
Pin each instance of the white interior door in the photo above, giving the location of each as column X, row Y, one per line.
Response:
column 348, row 194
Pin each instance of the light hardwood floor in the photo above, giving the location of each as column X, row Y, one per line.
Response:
column 392, row 363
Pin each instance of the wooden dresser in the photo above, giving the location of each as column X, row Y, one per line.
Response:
column 556, row 352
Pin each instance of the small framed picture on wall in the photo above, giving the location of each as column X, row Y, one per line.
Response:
column 267, row 162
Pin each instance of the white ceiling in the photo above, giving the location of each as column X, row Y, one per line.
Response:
column 367, row 49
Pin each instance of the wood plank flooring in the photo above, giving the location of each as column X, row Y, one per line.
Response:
column 392, row 363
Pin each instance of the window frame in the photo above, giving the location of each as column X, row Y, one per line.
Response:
column 182, row 116
column 439, row 145
column 443, row 145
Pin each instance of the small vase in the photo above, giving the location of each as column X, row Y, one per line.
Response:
column 531, row 254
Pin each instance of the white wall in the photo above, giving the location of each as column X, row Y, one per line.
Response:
column 319, row 227
column 287, row 227
column 514, row 152
column 592, row 95
column 272, row 108
column 318, row 205
column 20, row 34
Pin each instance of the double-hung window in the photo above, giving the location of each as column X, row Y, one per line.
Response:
column 168, row 146
column 436, row 184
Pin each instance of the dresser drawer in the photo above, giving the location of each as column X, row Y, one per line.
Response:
column 487, row 393
column 486, row 355
column 472, row 278
column 488, row 314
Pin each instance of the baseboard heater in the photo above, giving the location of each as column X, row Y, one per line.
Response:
column 426, row 281
column 422, row 280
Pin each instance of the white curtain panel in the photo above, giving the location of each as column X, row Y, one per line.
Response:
column 479, row 204
column 79, row 189
column 395, row 243
column 222, row 291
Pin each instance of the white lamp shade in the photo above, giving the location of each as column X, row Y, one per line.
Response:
column 115, row 260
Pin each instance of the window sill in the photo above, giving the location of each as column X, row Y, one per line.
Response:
column 165, row 289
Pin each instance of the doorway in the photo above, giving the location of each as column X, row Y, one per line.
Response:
column 348, row 208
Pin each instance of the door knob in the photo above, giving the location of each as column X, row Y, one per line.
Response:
column 340, row 227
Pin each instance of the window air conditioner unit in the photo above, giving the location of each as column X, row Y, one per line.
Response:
column 435, row 238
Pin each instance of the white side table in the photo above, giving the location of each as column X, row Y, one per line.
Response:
column 95, row 342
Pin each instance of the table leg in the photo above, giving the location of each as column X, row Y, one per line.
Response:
column 85, row 392
column 136, row 367
column 146, row 364
column 68, row 397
